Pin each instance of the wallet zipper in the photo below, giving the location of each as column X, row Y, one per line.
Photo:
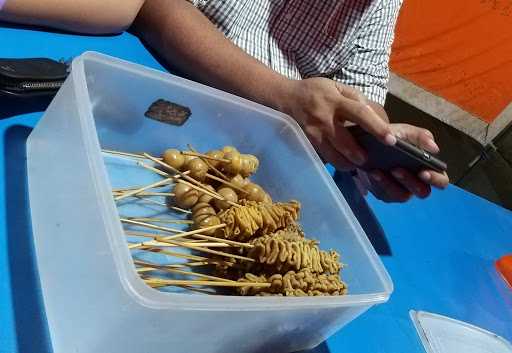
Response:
column 41, row 85
column 30, row 85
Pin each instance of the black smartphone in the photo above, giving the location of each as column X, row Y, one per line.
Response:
column 403, row 154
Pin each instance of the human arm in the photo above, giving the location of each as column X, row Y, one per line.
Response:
column 84, row 16
column 192, row 44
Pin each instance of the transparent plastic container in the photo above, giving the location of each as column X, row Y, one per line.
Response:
column 93, row 297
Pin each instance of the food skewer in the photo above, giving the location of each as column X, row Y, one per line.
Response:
column 150, row 201
column 195, row 258
column 201, row 188
column 183, row 243
column 172, row 169
column 228, row 183
column 152, row 267
column 212, row 167
column 202, row 155
column 165, row 229
column 173, row 253
column 181, row 265
column 215, row 195
column 213, row 198
column 153, row 169
column 180, row 234
column 188, row 244
column 156, row 235
column 193, row 183
column 192, row 288
column 150, row 186
column 201, row 237
column 126, row 154
column 148, row 193
column 194, row 247
column 172, row 282
column 126, row 189
column 160, row 220
column 191, row 264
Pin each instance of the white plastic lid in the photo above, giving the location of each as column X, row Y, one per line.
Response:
column 441, row 334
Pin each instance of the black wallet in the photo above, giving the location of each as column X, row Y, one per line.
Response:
column 31, row 77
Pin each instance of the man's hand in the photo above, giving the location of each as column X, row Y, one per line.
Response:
column 400, row 185
column 322, row 107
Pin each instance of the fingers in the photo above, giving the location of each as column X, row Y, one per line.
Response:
column 363, row 115
column 327, row 151
column 439, row 180
column 416, row 135
column 386, row 189
column 344, row 143
column 411, row 182
column 335, row 158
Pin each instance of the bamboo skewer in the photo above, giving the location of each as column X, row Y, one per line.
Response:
column 189, row 273
column 156, row 243
column 172, row 282
column 150, row 186
column 181, row 265
column 173, row 230
column 135, row 233
column 194, row 289
column 160, row 220
column 228, row 183
column 130, row 188
column 126, row 154
column 150, row 201
column 183, row 244
column 169, row 239
column 126, row 189
column 197, row 248
column 153, row 169
column 202, row 238
column 152, row 226
column 231, row 242
column 195, row 233
column 205, row 156
column 173, row 253
column 192, row 264
column 195, row 258
column 175, row 208
column 148, row 193
column 170, row 230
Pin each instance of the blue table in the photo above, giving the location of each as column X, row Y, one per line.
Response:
column 439, row 251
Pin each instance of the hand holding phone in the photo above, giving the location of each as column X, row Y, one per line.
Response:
column 395, row 173
column 402, row 155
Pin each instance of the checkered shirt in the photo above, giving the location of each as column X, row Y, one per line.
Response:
column 346, row 40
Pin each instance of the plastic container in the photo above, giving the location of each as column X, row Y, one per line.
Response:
column 94, row 300
column 441, row 334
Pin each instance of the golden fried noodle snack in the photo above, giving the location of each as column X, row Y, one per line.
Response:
column 302, row 283
column 254, row 218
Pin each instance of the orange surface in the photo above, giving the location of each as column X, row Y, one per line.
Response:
column 458, row 49
column 504, row 267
